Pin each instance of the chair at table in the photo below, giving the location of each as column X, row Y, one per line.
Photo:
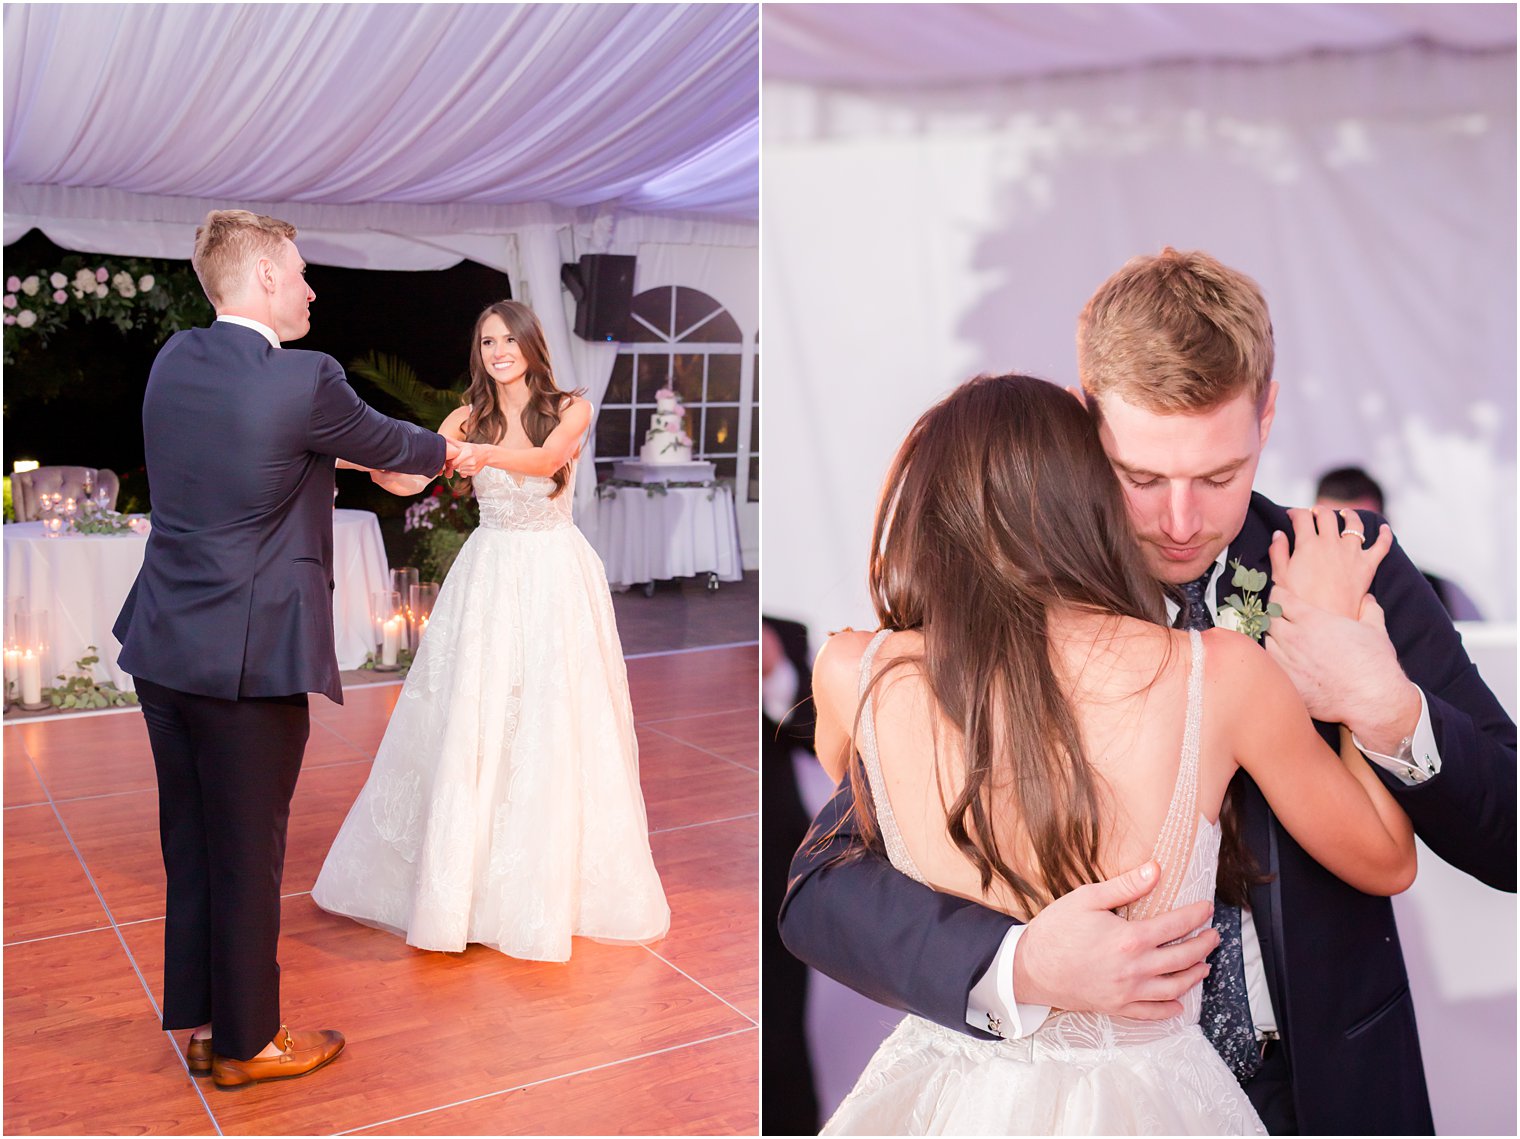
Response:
column 28, row 487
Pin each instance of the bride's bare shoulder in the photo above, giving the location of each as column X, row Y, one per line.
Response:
column 838, row 661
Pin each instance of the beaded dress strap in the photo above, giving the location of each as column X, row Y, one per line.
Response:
column 1174, row 846
column 897, row 850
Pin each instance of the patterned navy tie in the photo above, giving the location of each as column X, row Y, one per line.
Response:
column 1226, row 1015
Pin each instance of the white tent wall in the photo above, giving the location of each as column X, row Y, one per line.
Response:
column 916, row 237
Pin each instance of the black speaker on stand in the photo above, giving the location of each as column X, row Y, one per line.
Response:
column 602, row 285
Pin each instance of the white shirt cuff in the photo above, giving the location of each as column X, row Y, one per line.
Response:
column 1418, row 758
column 991, row 1006
column 778, row 691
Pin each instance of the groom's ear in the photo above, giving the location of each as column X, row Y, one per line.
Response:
column 1079, row 392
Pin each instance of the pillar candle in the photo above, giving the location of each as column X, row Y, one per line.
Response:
column 31, row 678
column 392, row 642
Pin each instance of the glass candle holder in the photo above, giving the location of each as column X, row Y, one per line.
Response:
column 424, row 597
column 389, row 620
column 404, row 580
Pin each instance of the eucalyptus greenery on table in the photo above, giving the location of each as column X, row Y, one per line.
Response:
column 129, row 292
column 82, row 690
column 91, row 519
column 403, row 661
column 607, row 488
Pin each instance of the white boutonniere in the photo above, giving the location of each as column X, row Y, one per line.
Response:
column 1243, row 612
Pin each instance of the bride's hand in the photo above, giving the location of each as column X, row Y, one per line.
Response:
column 472, row 459
column 1328, row 568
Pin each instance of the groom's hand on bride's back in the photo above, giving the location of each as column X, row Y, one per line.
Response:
column 1078, row 954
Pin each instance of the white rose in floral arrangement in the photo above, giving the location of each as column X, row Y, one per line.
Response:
column 145, row 283
column 1227, row 618
column 124, row 285
column 102, row 290
column 26, row 318
column 30, row 286
column 58, row 280
column 84, row 281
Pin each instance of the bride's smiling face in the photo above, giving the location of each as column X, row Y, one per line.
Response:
column 504, row 361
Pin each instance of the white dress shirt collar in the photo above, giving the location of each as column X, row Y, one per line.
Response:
column 262, row 329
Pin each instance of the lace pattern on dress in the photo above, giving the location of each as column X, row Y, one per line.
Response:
column 506, row 505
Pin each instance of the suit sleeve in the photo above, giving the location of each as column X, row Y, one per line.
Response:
column 344, row 426
column 1466, row 812
column 880, row 933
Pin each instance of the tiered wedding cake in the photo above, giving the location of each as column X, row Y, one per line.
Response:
column 666, row 441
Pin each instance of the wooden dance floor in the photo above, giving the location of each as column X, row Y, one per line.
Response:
column 655, row 1040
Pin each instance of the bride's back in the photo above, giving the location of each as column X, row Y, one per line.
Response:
column 1126, row 683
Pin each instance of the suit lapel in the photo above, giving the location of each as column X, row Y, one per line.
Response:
column 1251, row 548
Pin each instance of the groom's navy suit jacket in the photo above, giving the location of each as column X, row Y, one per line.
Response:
column 235, row 594
column 1331, row 953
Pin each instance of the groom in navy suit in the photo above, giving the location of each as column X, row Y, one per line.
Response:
column 1307, row 998
column 229, row 626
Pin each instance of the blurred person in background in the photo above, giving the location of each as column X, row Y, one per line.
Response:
column 1352, row 488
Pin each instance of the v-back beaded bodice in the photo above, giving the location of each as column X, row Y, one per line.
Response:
column 507, row 504
column 1187, row 850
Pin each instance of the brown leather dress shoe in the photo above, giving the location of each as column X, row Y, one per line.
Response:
column 300, row 1053
column 198, row 1056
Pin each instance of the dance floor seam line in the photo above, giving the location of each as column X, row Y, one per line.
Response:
column 194, row 1083
column 703, row 750
column 706, row 823
column 77, row 932
column 552, row 1079
column 673, row 719
column 699, row 984
column 95, row 886
column 693, row 649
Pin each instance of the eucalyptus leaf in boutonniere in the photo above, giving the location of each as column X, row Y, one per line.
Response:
column 1244, row 611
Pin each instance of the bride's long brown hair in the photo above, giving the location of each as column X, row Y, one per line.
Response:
column 487, row 421
column 1001, row 507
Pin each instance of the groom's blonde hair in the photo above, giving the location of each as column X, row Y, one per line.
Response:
column 227, row 244
column 1176, row 332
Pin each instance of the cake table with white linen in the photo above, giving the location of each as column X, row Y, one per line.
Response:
column 659, row 530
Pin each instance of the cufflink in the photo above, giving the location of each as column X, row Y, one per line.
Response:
column 995, row 1025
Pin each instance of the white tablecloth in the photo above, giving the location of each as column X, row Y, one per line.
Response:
column 643, row 537
column 83, row 579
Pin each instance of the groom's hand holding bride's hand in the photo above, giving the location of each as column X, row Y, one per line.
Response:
column 467, row 459
column 1078, row 954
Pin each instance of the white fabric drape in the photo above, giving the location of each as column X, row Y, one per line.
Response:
column 927, row 45
column 648, row 107
column 912, row 240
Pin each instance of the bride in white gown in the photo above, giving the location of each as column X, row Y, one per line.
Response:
column 1025, row 722
column 504, row 805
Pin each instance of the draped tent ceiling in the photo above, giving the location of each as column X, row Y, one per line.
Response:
column 402, row 136
column 932, row 45
column 395, row 120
